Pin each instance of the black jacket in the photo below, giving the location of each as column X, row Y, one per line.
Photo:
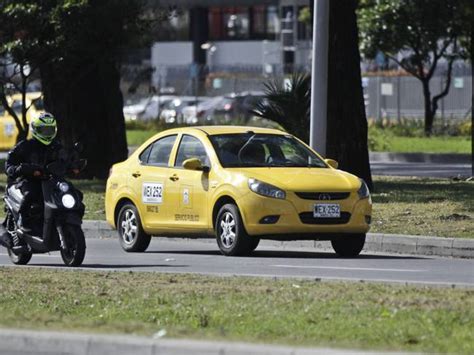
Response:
column 27, row 155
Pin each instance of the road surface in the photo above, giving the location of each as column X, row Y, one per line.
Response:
column 203, row 257
column 421, row 169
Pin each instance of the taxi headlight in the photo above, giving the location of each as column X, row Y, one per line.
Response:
column 68, row 201
column 363, row 190
column 265, row 189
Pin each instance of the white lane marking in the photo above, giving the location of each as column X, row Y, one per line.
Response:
column 35, row 255
column 344, row 268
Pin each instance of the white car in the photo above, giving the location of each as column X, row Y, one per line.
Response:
column 146, row 109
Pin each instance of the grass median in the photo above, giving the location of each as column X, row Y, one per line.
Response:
column 415, row 206
column 305, row 313
column 423, row 206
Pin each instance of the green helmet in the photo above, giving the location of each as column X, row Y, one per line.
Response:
column 44, row 128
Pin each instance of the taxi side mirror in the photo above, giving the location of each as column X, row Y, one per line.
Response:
column 195, row 164
column 332, row 163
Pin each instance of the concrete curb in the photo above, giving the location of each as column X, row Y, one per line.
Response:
column 43, row 342
column 375, row 242
column 446, row 158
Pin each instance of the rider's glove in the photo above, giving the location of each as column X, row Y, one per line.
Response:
column 30, row 170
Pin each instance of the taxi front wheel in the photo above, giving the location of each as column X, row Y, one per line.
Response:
column 231, row 236
column 133, row 238
column 349, row 245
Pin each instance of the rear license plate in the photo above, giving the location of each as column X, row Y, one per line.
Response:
column 327, row 210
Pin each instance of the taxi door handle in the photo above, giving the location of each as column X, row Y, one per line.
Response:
column 174, row 177
column 136, row 174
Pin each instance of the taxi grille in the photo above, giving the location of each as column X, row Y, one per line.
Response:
column 307, row 218
column 320, row 196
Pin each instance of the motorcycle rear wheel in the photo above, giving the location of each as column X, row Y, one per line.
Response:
column 19, row 259
column 75, row 253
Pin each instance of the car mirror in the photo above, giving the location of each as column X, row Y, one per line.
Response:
column 332, row 163
column 195, row 164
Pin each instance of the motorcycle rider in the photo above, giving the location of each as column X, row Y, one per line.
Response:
column 25, row 162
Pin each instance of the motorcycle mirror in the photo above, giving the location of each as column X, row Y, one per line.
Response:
column 79, row 147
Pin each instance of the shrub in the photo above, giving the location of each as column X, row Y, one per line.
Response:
column 379, row 139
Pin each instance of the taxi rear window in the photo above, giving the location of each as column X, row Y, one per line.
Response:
column 158, row 153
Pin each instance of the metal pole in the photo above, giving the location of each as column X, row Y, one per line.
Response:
column 319, row 77
column 399, row 115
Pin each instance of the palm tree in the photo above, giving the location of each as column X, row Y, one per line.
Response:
column 288, row 105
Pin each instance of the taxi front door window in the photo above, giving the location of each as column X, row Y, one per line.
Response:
column 191, row 147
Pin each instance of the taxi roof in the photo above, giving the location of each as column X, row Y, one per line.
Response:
column 213, row 130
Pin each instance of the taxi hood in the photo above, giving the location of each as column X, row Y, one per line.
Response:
column 305, row 179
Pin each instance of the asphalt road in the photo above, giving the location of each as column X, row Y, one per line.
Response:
column 420, row 169
column 203, row 257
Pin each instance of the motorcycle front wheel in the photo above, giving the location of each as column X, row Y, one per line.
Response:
column 75, row 251
column 19, row 259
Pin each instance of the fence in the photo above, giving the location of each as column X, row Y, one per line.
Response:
column 402, row 97
column 385, row 97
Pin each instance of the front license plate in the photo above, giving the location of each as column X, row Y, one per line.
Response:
column 327, row 210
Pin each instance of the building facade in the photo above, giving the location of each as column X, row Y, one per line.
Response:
column 260, row 36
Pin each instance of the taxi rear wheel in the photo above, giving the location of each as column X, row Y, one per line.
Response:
column 231, row 236
column 133, row 238
column 349, row 245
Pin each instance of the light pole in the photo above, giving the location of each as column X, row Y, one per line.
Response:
column 319, row 76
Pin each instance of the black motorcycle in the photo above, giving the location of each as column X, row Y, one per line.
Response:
column 52, row 225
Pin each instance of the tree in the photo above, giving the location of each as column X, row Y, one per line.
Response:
column 467, row 41
column 417, row 35
column 82, row 87
column 347, row 122
column 288, row 106
column 18, row 51
column 76, row 45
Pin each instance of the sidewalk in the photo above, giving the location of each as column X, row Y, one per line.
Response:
column 375, row 242
column 52, row 343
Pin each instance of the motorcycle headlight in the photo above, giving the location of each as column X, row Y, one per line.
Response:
column 63, row 187
column 363, row 190
column 265, row 189
column 68, row 201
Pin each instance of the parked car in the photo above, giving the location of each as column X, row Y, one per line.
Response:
column 239, row 184
column 146, row 109
column 202, row 112
column 224, row 109
column 173, row 111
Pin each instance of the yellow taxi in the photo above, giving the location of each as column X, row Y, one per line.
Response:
column 8, row 129
column 239, row 184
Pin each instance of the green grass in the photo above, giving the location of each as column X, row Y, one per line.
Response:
column 137, row 137
column 304, row 313
column 430, row 145
column 422, row 206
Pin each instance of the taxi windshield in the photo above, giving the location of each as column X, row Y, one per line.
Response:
column 263, row 150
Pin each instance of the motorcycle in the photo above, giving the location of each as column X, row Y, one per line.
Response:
column 54, row 225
